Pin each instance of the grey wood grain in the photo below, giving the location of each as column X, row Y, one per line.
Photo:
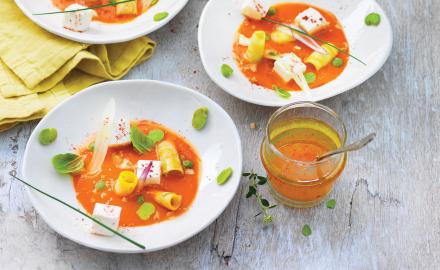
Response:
column 387, row 214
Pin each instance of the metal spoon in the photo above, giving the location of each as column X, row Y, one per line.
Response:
column 349, row 148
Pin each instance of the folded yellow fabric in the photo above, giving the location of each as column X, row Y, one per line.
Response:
column 38, row 69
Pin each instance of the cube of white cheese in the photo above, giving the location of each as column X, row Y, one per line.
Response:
column 78, row 21
column 121, row 132
column 107, row 214
column 288, row 65
column 255, row 9
column 311, row 21
column 153, row 177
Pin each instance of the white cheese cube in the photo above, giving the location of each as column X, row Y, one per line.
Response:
column 107, row 214
column 78, row 21
column 153, row 177
column 288, row 65
column 254, row 9
column 121, row 132
column 311, row 21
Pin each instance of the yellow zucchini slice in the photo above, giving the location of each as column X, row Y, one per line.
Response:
column 169, row 200
column 129, row 8
column 255, row 50
column 319, row 60
column 169, row 158
column 126, row 183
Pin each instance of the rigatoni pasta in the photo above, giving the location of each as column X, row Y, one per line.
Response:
column 169, row 200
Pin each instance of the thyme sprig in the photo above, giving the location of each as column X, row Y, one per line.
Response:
column 315, row 38
column 112, row 3
column 256, row 180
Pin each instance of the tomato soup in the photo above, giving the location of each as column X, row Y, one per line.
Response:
column 263, row 74
column 185, row 186
column 104, row 14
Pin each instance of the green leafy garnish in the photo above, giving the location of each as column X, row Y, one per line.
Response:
column 227, row 71
column 372, row 19
column 140, row 199
column 47, row 136
column 140, row 141
column 337, row 62
column 310, row 77
column 255, row 181
column 331, row 204
column 145, row 211
column 112, row 3
column 272, row 11
column 187, row 164
column 100, row 185
column 67, row 163
column 224, row 176
column 156, row 135
column 281, row 92
column 306, row 230
column 91, row 146
column 199, row 118
column 160, row 16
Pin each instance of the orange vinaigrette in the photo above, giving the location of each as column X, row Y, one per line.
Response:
column 289, row 152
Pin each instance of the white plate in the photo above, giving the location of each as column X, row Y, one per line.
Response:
column 220, row 20
column 218, row 145
column 101, row 33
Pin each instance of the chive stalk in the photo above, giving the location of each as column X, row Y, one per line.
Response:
column 81, row 9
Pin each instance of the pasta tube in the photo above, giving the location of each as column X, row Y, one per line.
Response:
column 169, row 200
column 255, row 50
column 319, row 60
column 169, row 158
column 126, row 183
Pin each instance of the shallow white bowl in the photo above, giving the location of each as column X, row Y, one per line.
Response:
column 218, row 145
column 100, row 33
column 220, row 20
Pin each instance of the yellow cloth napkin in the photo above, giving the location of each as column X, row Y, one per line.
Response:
column 38, row 69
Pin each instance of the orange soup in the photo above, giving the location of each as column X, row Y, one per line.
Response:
column 184, row 185
column 104, row 14
column 262, row 73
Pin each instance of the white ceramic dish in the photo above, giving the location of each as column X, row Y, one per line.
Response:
column 220, row 20
column 218, row 146
column 101, row 33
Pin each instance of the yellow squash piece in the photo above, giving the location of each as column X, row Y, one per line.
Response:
column 319, row 60
column 255, row 50
column 129, row 8
column 282, row 35
column 169, row 158
column 126, row 183
column 169, row 200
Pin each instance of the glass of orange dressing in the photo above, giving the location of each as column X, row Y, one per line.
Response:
column 295, row 135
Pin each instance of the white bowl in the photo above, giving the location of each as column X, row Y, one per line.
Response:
column 218, row 145
column 101, row 33
column 220, row 20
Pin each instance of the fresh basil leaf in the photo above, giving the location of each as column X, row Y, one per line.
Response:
column 67, row 163
column 141, row 142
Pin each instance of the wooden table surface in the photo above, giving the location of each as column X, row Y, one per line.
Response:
column 388, row 199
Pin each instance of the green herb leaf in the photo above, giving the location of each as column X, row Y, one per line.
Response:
column 67, row 163
column 199, row 118
column 160, row 16
column 265, row 203
column 251, row 191
column 187, row 164
column 331, row 204
column 373, row 19
column 337, row 62
column 272, row 11
column 91, row 146
column 140, row 199
column 246, row 174
column 156, row 135
column 141, row 142
column 310, row 77
column 224, row 176
column 145, row 211
column 306, row 230
column 100, row 185
column 226, row 70
column 261, row 180
column 267, row 219
column 281, row 92
column 47, row 136
column 273, row 206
